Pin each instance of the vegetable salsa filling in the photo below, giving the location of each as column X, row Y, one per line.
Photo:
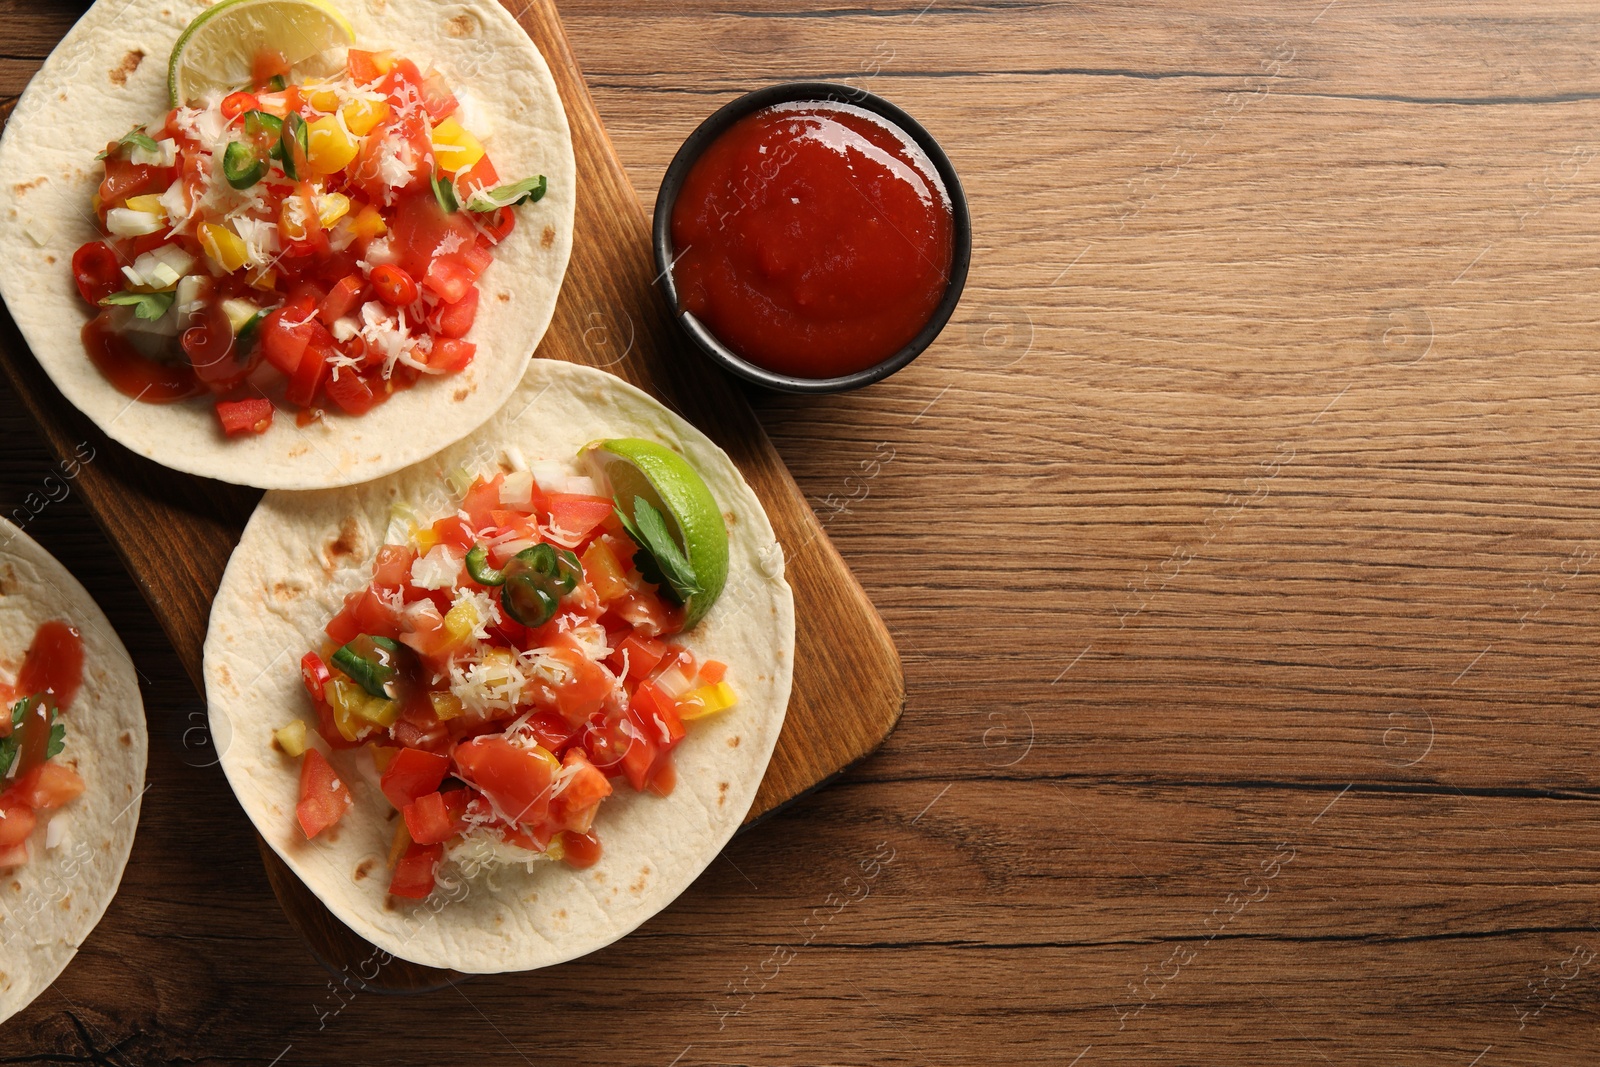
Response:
column 32, row 781
column 306, row 245
column 508, row 667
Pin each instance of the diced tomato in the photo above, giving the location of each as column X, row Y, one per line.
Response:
column 455, row 531
column 515, row 779
column 481, row 175
column 603, row 571
column 481, row 499
column 323, row 797
column 576, row 516
column 621, row 747
column 454, row 320
column 236, row 104
column 437, row 98
column 308, row 374
column 552, row 731
column 424, row 739
column 363, row 66
column 16, row 821
column 124, row 179
column 392, row 569
column 451, row 354
column 395, row 287
column 586, row 685
column 643, row 653
column 420, row 226
column 377, row 616
column 13, row 855
column 97, row 269
column 251, row 415
column 413, row 773
column 650, row 615
column 341, row 300
column 436, row 817
column 658, row 714
column 414, row 874
column 285, row 333
column 575, row 806
column 367, row 174
column 713, row 671
column 449, row 279
column 47, row 786
column 354, row 393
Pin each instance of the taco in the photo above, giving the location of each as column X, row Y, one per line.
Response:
column 312, row 276
column 539, row 677
column 72, row 758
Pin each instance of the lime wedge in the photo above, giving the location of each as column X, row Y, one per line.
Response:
column 218, row 49
column 633, row 469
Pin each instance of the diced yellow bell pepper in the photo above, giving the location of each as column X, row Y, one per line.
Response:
column 331, row 207
column 344, row 698
column 454, row 147
column 446, row 706
column 294, row 218
column 292, row 739
column 382, row 756
column 460, row 621
column 149, row 203
column 329, row 148
column 557, row 848
column 424, row 538
column 264, row 279
column 225, row 247
column 363, row 116
column 379, row 712
column 707, row 701
column 324, row 100
column 368, row 223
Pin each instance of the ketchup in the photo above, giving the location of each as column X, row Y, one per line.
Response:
column 813, row 239
column 52, row 672
column 132, row 373
column 54, row 664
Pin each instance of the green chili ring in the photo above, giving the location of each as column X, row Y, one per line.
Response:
column 478, row 567
column 295, row 133
column 369, row 674
column 242, row 165
column 534, row 582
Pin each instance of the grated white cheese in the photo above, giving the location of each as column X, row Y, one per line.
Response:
column 437, row 570
column 486, row 687
column 483, row 606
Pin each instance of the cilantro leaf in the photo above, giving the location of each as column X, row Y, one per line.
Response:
column 444, row 191
column 147, row 306
column 660, row 560
column 527, row 191
column 11, row 744
column 135, row 137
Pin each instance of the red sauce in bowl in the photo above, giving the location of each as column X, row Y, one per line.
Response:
column 813, row 239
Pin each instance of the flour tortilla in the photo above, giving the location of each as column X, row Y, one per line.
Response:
column 109, row 74
column 300, row 555
column 49, row 905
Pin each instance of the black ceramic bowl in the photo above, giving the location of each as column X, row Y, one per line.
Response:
column 710, row 130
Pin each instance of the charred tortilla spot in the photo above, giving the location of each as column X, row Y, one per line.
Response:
column 345, row 544
column 129, row 64
column 299, row 450
column 363, row 869
column 126, row 739
column 461, row 394
column 504, row 297
column 22, row 187
column 462, row 25
column 548, row 237
column 644, row 876
column 722, row 793
column 733, row 742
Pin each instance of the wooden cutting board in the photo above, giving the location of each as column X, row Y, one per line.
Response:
column 175, row 532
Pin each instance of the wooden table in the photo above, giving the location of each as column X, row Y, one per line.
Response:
column 1236, row 537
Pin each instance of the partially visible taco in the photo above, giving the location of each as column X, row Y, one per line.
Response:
column 287, row 276
column 72, row 759
column 501, row 707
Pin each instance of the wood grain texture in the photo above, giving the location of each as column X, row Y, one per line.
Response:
column 1256, row 474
